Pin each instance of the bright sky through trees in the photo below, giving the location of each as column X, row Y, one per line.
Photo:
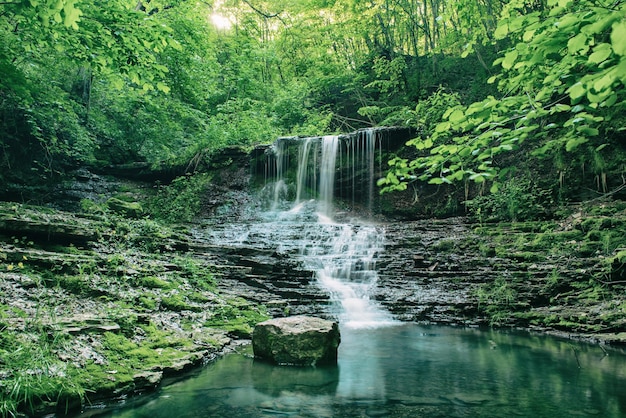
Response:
column 219, row 20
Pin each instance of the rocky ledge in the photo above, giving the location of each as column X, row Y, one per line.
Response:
column 96, row 307
column 109, row 305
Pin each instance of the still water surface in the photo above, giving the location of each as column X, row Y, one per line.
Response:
column 408, row 370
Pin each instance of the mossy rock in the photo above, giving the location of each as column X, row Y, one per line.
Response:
column 129, row 209
column 297, row 341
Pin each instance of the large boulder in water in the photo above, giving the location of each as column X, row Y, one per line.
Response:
column 297, row 340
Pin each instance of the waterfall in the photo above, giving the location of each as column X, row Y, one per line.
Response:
column 303, row 167
column 328, row 168
column 280, row 188
column 370, row 153
column 342, row 255
column 327, row 174
column 360, row 166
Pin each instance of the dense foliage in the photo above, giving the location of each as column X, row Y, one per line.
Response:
column 561, row 99
column 519, row 107
column 159, row 82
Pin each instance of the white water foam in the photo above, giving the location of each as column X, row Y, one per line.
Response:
column 342, row 255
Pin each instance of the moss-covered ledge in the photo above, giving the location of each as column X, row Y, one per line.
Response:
column 95, row 307
column 564, row 277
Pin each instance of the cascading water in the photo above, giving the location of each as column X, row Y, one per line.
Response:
column 280, row 189
column 299, row 221
column 303, row 167
column 370, row 152
column 327, row 175
column 343, row 255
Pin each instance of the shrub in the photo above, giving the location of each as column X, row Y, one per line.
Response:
column 181, row 200
column 517, row 200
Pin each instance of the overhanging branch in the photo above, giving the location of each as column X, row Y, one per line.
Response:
column 261, row 12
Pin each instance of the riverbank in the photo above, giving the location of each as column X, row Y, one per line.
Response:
column 564, row 277
column 100, row 305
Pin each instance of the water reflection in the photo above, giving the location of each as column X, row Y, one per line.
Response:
column 409, row 371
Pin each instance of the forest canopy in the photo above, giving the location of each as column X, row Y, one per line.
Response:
column 483, row 82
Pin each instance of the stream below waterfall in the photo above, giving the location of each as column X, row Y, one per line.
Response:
column 386, row 368
column 407, row 370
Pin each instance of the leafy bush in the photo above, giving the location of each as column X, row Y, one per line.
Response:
column 516, row 200
column 181, row 200
column 429, row 112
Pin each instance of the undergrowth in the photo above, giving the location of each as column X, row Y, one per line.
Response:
column 53, row 359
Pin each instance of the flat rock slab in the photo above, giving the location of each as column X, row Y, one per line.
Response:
column 297, row 341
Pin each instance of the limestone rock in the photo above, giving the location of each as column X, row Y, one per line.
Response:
column 297, row 340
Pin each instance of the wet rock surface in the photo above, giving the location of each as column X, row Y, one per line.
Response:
column 418, row 282
column 102, row 279
column 297, row 340
column 446, row 271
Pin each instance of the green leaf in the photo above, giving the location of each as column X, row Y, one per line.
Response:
column 448, row 111
column 599, row 26
column 606, row 81
column 596, row 98
column 456, row 176
column 612, row 99
column 477, row 177
column 501, row 31
column 560, row 3
column 568, row 21
column 573, row 143
column 457, row 116
column 162, row 87
column 175, row 44
column 600, row 54
column 528, row 35
column 509, row 59
column 576, row 91
column 72, row 15
column 618, row 37
column 587, row 130
column 578, row 44
column 559, row 107
column 442, row 127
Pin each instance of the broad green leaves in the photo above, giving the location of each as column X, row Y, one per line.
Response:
column 618, row 37
column 563, row 84
column 113, row 38
column 49, row 12
column 509, row 59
